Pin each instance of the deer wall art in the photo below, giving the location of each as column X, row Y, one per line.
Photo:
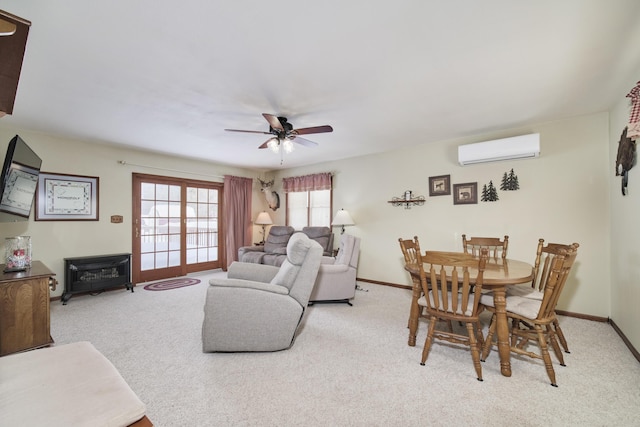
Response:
column 273, row 200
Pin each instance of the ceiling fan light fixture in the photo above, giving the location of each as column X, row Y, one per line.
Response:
column 287, row 146
column 283, row 135
column 274, row 145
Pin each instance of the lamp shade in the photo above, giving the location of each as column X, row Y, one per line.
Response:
column 263, row 219
column 342, row 217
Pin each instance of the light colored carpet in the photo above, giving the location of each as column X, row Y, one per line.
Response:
column 349, row 366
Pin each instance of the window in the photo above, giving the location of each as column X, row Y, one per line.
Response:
column 309, row 209
column 308, row 200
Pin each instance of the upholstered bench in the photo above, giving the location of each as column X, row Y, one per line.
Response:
column 66, row 385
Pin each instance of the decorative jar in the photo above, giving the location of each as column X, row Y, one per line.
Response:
column 18, row 250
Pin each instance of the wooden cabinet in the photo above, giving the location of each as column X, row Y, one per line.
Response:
column 24, row 309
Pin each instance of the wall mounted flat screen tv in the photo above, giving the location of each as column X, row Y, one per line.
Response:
column 18, row 181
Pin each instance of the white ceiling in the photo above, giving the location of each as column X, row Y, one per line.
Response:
column 171, row 76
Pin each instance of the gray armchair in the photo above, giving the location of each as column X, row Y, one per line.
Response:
column 336, row 280
column 322, row 235
column 274, row 250
column 259, row 307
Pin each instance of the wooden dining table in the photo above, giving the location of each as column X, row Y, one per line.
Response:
column 498, row 274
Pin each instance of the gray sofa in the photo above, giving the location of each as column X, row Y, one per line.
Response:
column 259, row 307
column 274, row 250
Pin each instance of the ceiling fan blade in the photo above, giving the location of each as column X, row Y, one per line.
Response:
column 314, row 129
column 266, row 143
column 7, row 28
column 273, row 122
column 248, row 131
column 305, row 142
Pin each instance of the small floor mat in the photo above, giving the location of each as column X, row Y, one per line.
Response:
column 165, row 285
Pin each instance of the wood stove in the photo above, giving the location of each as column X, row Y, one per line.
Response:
column 94, row 274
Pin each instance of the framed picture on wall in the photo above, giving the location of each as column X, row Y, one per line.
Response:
column 62, row 197
column 465, row 194
column 439, row 185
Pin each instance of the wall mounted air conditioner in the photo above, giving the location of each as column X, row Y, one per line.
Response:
column 517, row 147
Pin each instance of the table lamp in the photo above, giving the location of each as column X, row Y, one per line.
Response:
column 341, row 219
column 263, row 219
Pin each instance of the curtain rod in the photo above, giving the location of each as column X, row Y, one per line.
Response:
column 124, row 163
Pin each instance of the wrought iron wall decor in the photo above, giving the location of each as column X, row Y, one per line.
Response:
column 407, row 200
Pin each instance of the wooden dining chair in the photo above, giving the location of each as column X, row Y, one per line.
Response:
column 455, row 281
column 532, row 315
column 535, row 291
column 497, row 248
column 410, row 249
column 411, row 252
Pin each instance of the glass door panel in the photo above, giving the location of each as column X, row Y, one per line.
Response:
column 202, row 225
column 175, row 227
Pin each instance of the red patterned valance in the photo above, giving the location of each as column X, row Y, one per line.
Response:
column 633, row 131
column 315, row 182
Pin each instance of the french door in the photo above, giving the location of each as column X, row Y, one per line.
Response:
column 175, row 227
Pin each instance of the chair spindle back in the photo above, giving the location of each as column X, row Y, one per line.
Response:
column 496, row 247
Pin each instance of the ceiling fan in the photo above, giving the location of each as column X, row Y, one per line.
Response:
column 283, row 133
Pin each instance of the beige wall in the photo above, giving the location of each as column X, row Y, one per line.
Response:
column 625, row 233
column 563, row 198
column 52, row 241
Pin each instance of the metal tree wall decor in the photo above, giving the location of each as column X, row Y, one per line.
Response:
column 489, row 193
column 510, row 182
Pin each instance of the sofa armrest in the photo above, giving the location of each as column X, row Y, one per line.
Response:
column 37, row 384
column 327, row 260
column 249, row 284
column 242, row 250
column 327, row 269
column 254, row 272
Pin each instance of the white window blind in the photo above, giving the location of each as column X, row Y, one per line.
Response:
column 309, row 208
